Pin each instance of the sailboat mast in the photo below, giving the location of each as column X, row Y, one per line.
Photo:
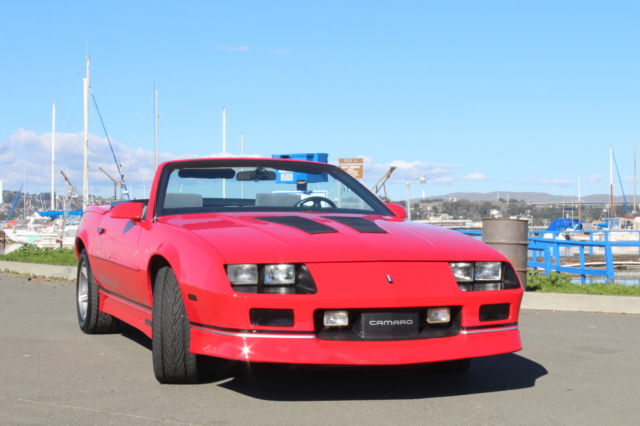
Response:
column 579, row 200
column 156, row 118
column 224, row 147
column 85, row 144
column 612, row 211
column 635, row 179
column 53, row 156
column 224, row 130
column 24, row 201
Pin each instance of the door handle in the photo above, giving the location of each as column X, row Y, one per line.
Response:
column 100, row 231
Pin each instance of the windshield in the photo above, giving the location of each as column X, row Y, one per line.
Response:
column 261, row 185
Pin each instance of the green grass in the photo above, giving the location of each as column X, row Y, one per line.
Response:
column 33, row 254
column 560, row 283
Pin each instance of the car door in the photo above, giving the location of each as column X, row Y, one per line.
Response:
column 119, row 271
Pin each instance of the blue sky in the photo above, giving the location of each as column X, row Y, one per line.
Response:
column 475, row 95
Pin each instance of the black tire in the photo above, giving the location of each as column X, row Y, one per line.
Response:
column 90, row 319
column 172, row 361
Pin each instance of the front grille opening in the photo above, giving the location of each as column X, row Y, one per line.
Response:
column 495, row 312
column 271, row 317
column 389, row 324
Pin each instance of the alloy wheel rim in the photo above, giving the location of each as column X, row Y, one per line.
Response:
column 83, row 291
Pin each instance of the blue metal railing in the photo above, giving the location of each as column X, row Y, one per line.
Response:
column 551, row 250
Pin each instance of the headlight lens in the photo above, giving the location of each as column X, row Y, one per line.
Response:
column 438, row 315
column 463, row 271
column 244, row 274
column 279, row 274
column 488, row 271
column 488, row 286
column 335, row 319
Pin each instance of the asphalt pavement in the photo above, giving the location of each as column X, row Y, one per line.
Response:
column 576, row 368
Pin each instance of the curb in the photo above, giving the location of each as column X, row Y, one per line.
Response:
column 581, row 303
column 40, row 270
column 530, row 300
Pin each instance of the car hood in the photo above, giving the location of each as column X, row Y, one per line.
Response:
column 291, row 238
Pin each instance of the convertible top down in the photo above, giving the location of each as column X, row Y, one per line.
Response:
column 286, row 261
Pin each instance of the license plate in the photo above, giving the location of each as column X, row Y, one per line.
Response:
column 389, row 324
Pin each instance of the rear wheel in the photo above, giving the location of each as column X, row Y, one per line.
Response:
column 172, row 361
column 90, row 319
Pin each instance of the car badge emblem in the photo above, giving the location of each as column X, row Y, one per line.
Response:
column 389, row 279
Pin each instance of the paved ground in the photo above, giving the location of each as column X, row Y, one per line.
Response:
column 575, row 369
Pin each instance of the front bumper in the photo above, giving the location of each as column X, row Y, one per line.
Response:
column 221, row 327
column 307, row 349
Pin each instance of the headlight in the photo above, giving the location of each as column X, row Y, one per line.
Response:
column 484, row 276
column 273, row 278
column 245, row 274
column 278, row 274
column 488, row 271
column 463, row 271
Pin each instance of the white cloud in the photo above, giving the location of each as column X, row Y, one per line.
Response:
column 280, row 52
column 475, row 176
column 408, row 171
column 445, row 180
column 555, row 181
column 594, row 178
column 28, row 153
column 233, row 48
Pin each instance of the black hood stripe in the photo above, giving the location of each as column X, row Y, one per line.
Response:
column 307, row 225
column 358, row 223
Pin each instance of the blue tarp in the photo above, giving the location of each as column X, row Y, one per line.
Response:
column 54, row 214
column 562, row 224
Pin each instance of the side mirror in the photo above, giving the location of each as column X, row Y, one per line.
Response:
column 131, row 210
column 397, row 210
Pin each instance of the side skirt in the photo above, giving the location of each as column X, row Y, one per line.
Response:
column 133, row 313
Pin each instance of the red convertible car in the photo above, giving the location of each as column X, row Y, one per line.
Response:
column 285, row 261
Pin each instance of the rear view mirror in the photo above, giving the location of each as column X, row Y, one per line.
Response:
column 256, row 175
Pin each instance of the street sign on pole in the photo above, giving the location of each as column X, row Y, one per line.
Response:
column 353, row 166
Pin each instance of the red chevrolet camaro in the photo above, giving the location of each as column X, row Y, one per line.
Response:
column 285, row 261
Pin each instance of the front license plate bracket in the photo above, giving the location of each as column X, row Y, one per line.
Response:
column 389, row 325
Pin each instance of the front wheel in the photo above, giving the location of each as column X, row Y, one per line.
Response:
column 172, row 361
column 90, row 319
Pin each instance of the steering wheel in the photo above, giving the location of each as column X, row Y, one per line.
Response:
column 316, row 202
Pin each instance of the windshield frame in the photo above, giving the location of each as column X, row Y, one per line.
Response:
column 358, row 188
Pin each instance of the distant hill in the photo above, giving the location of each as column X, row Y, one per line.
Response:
column 529, row 197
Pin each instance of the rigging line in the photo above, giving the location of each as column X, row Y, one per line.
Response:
column 110, row 145
column 624, row 197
